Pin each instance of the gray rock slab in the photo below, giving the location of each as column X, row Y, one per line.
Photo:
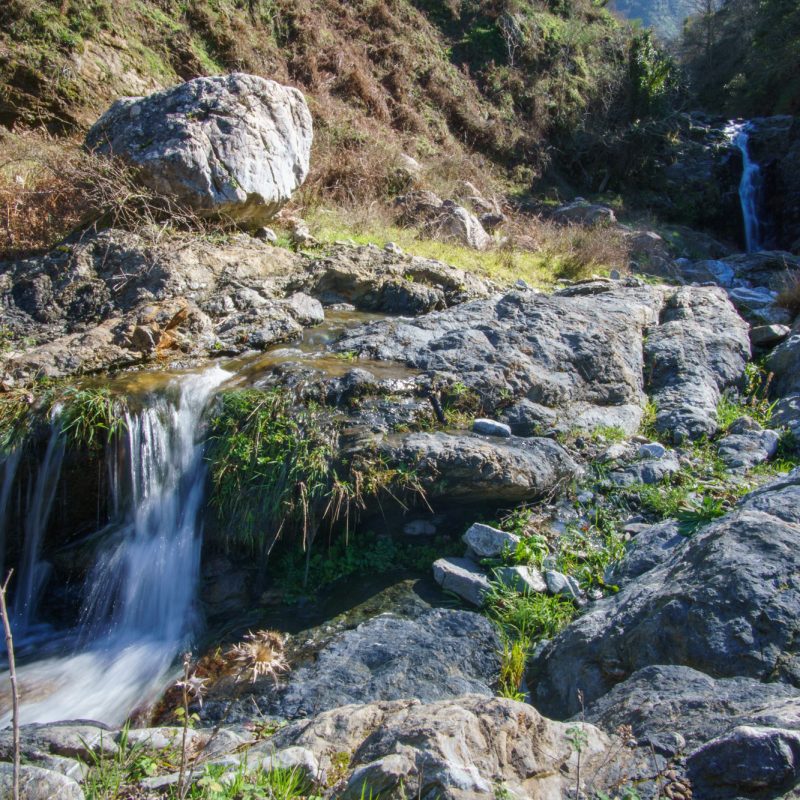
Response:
column 463, row 577
column 39, row 784
column 476, row 469
column 491, row 427
column 487, row 542
column 442, row 653
column 748, row 760
column 526, row 580
column 661, row 700
column 699, row 348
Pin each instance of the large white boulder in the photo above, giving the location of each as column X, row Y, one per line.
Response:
column 232, row 146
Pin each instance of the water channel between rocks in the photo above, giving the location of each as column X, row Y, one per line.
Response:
column 139, row 599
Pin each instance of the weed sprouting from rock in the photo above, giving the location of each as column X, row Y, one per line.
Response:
column 259, row 655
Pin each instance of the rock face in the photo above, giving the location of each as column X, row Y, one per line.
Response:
column 39, row 784
column 748, row 759
column 712, row 604
column 575, row 359
column 473, row 469
column 700, row 347
column 661, row 701
column 462, row 577
column 442, row 219
column 456, row 749
column 564, row 356
column 784, row 362
column 747, row 444
column 116, row 299
column 440, row 654
column 584, row 213
column 233, row 146
column 379, row 280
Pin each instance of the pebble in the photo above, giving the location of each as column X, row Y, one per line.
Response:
column 652, row 450
column 490, row 427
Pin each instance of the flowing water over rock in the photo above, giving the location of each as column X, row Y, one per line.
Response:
column 139, row 596
column 749, row 186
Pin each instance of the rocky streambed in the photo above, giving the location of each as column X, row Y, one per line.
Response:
column 630, row 464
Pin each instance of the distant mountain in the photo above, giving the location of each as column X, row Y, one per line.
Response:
column 664, row 16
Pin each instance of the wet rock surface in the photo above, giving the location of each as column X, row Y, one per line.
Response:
column 117, row 299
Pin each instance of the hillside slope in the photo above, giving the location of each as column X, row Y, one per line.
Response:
column 745, row 59
column 511, row 80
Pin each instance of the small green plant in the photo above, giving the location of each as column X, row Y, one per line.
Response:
column 112, row 776
column 647, row 427
column 513, row 660
column 270, row 468
column 91, row 417
column 609, row 433
column 220, row 782
column 340, row 766
column 528, row 616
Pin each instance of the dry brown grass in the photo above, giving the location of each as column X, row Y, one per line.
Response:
column 789, row 298
column 574, row 252
column 50, row 188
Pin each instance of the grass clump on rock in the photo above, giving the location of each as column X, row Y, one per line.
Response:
column 270, row 467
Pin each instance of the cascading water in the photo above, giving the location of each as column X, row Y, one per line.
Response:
column 749, row 186
column 9, row 462
column 32, row 571
column 139, row 595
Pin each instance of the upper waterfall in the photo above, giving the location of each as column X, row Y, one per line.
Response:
column 749, row 186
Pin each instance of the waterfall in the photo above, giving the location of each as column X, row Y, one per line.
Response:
column 749, row 186
column 33, row 572
column 139, row 596
column 10, row 464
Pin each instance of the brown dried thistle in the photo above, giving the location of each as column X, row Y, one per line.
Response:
column 260, row 654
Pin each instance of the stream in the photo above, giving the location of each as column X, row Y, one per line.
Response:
column 138, row 608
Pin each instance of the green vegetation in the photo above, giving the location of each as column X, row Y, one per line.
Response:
column 90, row 417
column 666, row 17
column 438, row 81
column 574, row 253
column 753, row 401
column 528, row 616
column 744, row 58
column 219, row 782
column 270, row 468
column 111, row 776
column 363, row 554
column 273, row 476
